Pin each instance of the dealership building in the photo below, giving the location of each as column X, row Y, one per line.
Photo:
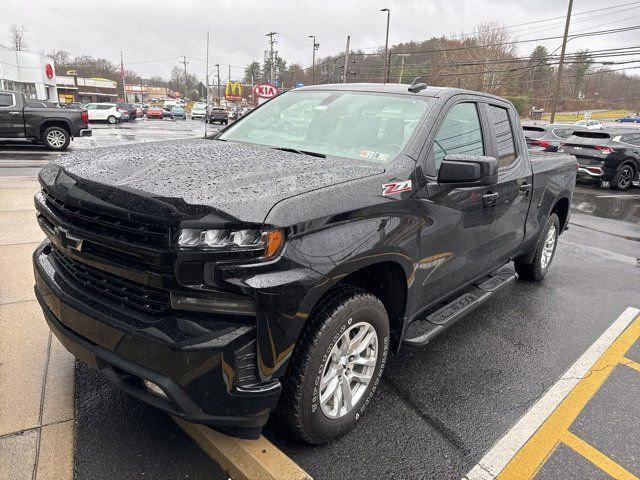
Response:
column 28, row 72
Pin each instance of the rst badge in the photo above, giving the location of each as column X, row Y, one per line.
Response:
column 396, row 187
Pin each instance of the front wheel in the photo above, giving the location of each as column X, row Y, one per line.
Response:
column 538, row 268
column 336, row 366
column 56, row 138
column 623, row 179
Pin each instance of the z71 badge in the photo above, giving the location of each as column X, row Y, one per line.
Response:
column 396, row 187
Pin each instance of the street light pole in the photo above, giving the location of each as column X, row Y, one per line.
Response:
column 206, row 88
column 554, row 99
column 346, row 61
column 217, row 65
column 385, row 74
column 313, row 59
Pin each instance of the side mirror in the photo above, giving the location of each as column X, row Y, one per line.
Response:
column 458, row 170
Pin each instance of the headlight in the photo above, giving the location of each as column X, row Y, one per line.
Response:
column 270, row 242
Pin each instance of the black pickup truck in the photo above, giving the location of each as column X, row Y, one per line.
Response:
column 276, row 265
column 39, row 121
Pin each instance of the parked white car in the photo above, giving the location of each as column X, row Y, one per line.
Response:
column 199, row 110
column 103, row 112
column 590, row 124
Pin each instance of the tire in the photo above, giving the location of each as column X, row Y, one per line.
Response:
column 541, row 263
column 56, row 138
column 112, row 119
column 347, row 312
column 623, row 179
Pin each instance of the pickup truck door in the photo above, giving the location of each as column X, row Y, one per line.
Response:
column 11, row 120
column 457, row 232
column 515, row 179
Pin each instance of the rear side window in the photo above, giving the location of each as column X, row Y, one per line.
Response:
column 563, row 132
column 533, row 132
column 460, row 133
column 6, row 100
column 499, row 119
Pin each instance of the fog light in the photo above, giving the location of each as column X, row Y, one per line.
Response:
column 155, row 389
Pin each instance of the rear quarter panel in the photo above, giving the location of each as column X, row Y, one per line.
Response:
column 554, row 178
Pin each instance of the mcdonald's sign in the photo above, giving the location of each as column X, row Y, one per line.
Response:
column 233, row 91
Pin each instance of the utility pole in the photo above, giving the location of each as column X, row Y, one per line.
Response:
column 385, row 74
column 206, row 88
column 217, row 65
column 124, row 85
column 272, row 41
column 556, row 93
column 346, row 61
column 186, row 83
column 229, row 78
column 315, row 47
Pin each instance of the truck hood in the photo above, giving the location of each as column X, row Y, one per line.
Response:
column 182, row 180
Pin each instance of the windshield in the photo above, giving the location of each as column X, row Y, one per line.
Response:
column 365, row 126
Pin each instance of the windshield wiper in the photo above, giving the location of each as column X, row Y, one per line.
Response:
column 301, row 152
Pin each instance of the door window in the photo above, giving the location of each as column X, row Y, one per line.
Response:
column 90, row 106
column 501, row 124
column 104, row 107
column 460, row 133
column 6, row 100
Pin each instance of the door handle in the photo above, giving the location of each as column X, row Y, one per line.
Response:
column 14, row 113
column 490, row 199
column 524, row 189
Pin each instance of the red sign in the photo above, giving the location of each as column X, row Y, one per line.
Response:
column 48, row 70
column 264, row 90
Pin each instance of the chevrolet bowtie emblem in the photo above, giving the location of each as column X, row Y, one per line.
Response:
column 67, row 240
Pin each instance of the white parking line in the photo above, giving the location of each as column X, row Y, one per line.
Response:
column 506, row 448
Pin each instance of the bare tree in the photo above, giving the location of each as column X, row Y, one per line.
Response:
column 16, row 37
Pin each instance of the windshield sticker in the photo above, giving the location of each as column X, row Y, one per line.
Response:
column 396, row 187
column 375, row 156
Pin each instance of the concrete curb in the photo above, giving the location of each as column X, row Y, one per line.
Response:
column 244, row 459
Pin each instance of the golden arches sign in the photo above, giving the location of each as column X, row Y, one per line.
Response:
column 233, row 91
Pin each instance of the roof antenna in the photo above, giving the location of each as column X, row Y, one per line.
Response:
column 417, row 85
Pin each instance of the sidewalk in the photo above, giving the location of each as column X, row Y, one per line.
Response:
column 36, row 372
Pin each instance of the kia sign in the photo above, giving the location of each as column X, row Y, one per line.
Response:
column 48, row 70
column 264, row 90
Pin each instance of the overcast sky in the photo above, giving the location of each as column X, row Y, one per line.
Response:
column 153, row 33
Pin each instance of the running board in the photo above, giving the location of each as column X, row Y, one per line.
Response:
column 427, row 328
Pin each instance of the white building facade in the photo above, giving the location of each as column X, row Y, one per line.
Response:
column 31, row 73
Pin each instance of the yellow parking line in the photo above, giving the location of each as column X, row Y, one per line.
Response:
column 539, row 447
column 596, row 457
column 631, row 364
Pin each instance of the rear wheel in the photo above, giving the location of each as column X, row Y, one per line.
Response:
column 336, row 366
column 112, row 119
column 623, row 178
column 538, row 268
column 56, row 138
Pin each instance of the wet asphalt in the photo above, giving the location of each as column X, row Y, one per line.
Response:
column 440, row 407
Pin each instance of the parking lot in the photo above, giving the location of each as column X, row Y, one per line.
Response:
column 459, row 406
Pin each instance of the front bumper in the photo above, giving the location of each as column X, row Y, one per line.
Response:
column 198, row 377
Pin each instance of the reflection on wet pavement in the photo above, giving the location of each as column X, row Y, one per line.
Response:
column 603, row 203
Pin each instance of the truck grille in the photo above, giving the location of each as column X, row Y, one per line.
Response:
column 147, row 299
column 129, row 231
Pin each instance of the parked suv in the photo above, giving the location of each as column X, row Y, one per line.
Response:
column 131, row 110
column 103, row 112
column 612, row 155
column 547, row 138
column 280, row 267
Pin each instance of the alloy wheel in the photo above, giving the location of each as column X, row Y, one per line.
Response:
column 56, row 138
column 625, row 177
column 348, row 370
column 547, row 249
